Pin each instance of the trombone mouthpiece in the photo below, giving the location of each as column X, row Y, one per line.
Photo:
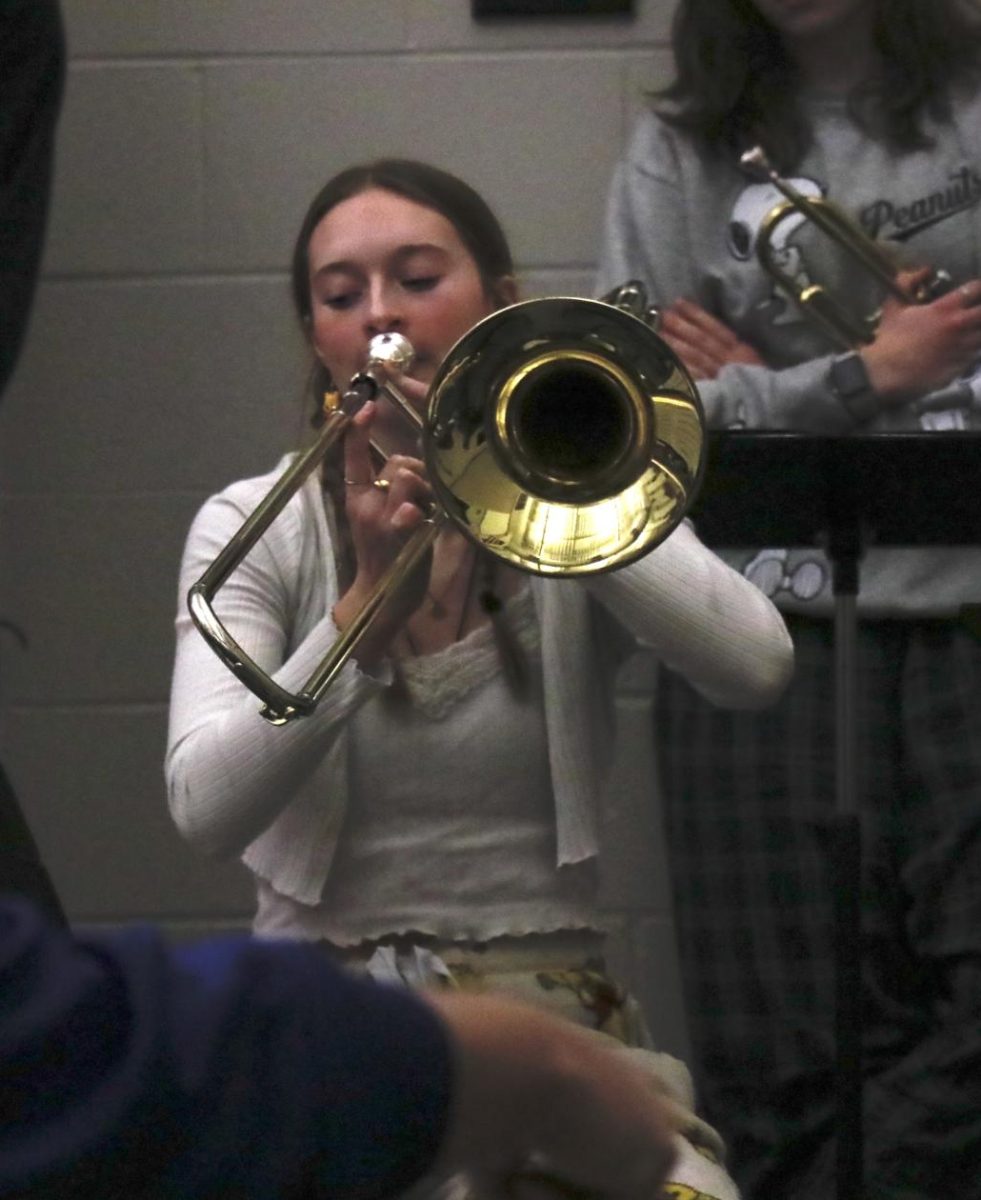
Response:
column 391, row 351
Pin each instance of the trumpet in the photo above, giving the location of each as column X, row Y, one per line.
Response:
column 561, row 435
column 851, row 329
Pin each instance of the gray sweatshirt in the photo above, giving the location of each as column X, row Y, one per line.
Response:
column 687, row 225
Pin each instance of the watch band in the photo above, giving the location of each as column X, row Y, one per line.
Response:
column 850, row 383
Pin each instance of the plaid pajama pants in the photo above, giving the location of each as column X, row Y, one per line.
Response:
column 749, row 800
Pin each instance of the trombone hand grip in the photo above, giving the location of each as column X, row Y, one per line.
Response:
column 280, row 705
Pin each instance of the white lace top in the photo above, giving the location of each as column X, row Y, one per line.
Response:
column 279, row 795
column 451, row 826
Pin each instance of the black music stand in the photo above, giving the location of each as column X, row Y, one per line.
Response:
column 841, row 493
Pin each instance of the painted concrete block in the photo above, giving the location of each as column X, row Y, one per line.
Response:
column 633, row 863
column 164, row 385
column 241, row 27
column 90, row 782
column 129, row 190
column 92, row 582
column 654, row 958
column 479, row 117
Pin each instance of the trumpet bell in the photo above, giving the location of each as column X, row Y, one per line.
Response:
column 564, row 436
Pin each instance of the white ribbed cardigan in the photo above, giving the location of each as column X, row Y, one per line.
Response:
column 277, row 795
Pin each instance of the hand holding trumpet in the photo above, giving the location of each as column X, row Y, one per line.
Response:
column 920, row 348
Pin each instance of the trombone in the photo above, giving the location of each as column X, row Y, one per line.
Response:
column 851, row 329
column 561, row 435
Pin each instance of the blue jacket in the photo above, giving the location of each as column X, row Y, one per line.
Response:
column 234, row 1067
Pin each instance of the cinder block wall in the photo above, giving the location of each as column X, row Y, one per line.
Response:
column 162, row 362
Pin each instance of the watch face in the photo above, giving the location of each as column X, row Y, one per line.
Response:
column 850, row 383
column 849, row 376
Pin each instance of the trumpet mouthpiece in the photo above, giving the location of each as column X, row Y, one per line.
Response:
column 756, row 164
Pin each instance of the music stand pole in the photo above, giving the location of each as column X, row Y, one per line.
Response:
column 844, row 549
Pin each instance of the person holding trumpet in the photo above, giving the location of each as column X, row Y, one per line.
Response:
column 874, row 105
column 434, row 820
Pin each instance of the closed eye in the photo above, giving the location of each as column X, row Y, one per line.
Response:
column 341, row 300
column 421, row 283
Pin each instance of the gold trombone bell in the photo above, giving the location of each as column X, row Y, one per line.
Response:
column 563, row 436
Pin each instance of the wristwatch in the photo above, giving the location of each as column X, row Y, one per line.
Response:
column 850, row 383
